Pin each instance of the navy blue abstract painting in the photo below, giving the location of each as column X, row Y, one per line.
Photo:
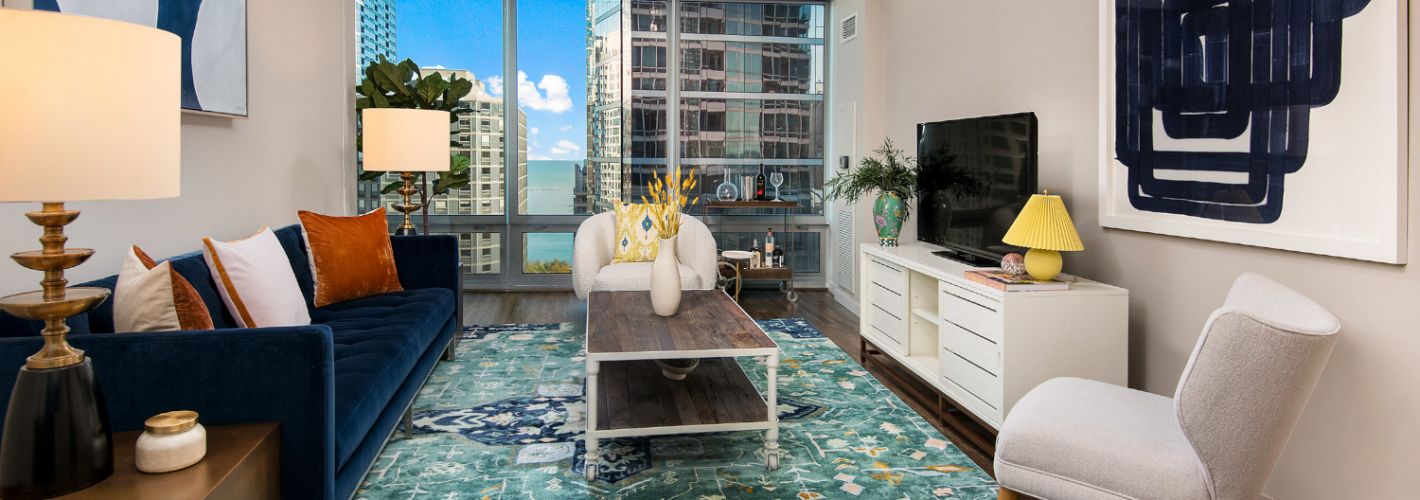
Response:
column 213, row 33
column 1250, row 70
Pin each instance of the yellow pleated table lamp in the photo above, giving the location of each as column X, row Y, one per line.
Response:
column 1044, row 226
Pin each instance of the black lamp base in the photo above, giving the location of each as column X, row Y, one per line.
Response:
column 57, row 438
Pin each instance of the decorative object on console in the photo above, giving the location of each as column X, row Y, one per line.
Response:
column 170, row 441
column 669, row 197
column 1319, row 165
column 351, row 257
column 893, row 178
column 1044, row 226
column 57, row 437
column 153, row 297
column 255, row 280
column 213, row 33
column 406, row 141
column 727, row 190
column 1013, row 264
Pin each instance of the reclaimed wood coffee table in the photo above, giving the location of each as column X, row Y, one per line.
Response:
column 628, row 395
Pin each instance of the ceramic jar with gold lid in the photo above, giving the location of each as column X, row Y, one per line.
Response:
column 170, row 441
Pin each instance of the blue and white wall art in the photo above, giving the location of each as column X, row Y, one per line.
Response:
column 214, row 43
column 1274, row 123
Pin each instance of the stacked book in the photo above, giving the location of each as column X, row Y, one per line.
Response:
column 1006, row 282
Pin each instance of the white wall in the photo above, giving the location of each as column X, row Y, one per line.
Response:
column 956, row 58
column 294, row 152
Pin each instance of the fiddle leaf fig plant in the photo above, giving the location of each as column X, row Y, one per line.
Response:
column 402, row 85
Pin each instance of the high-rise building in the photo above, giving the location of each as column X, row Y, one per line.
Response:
column 752, row 84
column 376, row 33
column 478, row 134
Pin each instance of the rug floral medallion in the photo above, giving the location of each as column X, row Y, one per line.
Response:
column 505, row 420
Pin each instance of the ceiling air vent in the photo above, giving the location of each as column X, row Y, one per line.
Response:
column 849, row 28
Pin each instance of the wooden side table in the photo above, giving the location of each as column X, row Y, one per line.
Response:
column 242, row 462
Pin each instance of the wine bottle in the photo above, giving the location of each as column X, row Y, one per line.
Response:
column 769, row 243
column 778, row 258
column 759, row 183
column 756, row 258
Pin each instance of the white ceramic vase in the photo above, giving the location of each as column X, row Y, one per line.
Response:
column 665, row 280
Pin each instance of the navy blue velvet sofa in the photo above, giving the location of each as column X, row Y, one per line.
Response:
column 339, row 387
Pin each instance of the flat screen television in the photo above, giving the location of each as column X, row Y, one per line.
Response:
column 976, row 175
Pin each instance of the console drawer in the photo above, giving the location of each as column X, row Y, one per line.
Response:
column 976, row 349
column 890, row 326
column 888, row 275
column 972, row 312
column 980, row 383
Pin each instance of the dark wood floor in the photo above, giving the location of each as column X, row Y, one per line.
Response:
column 817, row 306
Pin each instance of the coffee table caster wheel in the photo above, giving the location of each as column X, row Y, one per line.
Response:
column 591, row 472
column 772, row 461
column 793, row 296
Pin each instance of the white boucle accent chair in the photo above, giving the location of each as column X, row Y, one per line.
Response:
column 1218, row 438
column 595, row 243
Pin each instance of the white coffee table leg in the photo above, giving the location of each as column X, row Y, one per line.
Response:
column 771, row 437
column 590, row 458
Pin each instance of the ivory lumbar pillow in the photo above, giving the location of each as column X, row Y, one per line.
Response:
column 256, row 282
column 350, row 257
column 152, row 297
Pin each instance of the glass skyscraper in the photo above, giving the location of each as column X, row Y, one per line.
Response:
column 376, row 33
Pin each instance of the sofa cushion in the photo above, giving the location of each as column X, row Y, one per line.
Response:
column 637, row 276
column 378, row 340
column 1077, row 438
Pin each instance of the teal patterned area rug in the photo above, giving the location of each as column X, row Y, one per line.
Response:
column 505, row 420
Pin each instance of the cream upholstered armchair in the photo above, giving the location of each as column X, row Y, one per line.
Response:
column 595, row 244
column 1218, row 438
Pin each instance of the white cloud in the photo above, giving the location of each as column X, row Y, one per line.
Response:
column 537, row 157
column 534, row 130
column 548, row 94
column 566, row 128
column 565, row 147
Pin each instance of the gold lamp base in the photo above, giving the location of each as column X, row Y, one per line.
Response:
column 409, row 206
column 54, row 303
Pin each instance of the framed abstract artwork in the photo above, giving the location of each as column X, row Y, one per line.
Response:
column 214, row 43
column 1272, row 123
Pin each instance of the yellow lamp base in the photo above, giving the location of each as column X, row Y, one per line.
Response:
column 1043, row 265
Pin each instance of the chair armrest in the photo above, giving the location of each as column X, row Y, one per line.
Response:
column 430, row 262
column 696, row 248
column 232, row 376
column 593, row 247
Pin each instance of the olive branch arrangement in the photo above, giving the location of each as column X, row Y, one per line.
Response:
column 669, row 197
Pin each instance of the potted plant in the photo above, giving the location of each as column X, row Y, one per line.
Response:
column 893, row 176
column 402, row 85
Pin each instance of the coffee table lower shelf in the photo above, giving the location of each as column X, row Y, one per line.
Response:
column 633, row 399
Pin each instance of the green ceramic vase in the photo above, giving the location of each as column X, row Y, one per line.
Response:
column 888, row 216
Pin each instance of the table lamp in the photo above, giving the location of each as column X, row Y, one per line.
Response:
column 405, row 141
column 1045, row 228
column 89, row 110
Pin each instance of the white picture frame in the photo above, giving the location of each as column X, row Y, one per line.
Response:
column 1347, row 199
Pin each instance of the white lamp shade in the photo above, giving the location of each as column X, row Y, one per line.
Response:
column 405, row 140
column 90, row 109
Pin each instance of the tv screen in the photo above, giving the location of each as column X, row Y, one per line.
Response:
column 976, row 175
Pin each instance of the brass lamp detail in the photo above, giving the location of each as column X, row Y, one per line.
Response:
column 54, row 303
column 409, row 206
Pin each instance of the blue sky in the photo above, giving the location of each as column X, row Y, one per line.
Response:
column 552, row 54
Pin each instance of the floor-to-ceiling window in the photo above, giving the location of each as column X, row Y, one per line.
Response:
column 570, row 113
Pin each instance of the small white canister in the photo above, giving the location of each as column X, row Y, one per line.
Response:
column 170, row 441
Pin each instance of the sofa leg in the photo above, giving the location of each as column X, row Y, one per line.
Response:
column 408, row 422
column 451, row 349
column 1005, row 494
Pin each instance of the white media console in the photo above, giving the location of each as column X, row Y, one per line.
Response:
column 982, row 347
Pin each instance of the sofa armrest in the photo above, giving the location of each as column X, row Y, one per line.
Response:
column 430, row 262
column 284, row 375
column 592, row 249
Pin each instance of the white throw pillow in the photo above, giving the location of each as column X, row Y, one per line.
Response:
column 143, row 298
column 256, row 282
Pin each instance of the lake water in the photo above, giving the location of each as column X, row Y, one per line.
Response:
column 550, row 192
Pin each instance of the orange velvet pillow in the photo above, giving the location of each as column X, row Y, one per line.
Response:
column 191, row 311
column 351, row 257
